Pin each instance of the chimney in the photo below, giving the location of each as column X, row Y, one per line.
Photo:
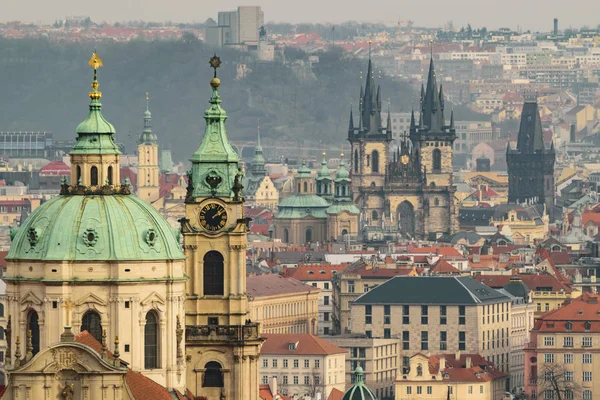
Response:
column 273, row 385
column 468, row 363
column 442, row 364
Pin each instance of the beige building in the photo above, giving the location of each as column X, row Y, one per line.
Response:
column 259, row 188
column 305, row 365
column 565, row 342
column 437, row 315
column 450, row 377
column 378, row 357
column 283, row 305
column 319, row 276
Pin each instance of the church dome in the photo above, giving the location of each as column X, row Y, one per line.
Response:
column 323, row 172
column 359, row 391
column 342, row 173
column 302, row 205
column 95, row 228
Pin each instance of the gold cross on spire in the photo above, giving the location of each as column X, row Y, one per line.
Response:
column 95, row 62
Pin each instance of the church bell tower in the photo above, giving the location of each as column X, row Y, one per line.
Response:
column 222, row 344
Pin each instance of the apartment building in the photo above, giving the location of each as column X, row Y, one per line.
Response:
column 319, row 276
column 450, row 377
column 565, row 341
column 282, row 304
column 304, row 365
column 378, row 357
column 437, row 315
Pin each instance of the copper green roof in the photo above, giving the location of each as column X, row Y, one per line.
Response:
column 359, row 391
column 323, row 173
column 303, row 171
column 302, row 205
column 95, row 133
column 95, row 228
column 342, row 173
column 148, row 137
column 338, row 208
column 215, row 160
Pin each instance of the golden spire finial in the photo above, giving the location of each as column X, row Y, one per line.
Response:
column 95, row 62
column 147, row 101
column 215, row 62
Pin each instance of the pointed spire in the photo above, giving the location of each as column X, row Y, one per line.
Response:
column 412, row 120
column 351, row 123
column 441, row 98
column 378, row 98
column 422, row 100
column 452, row 119
column 389, row 121
column 148, row 137
column 421, row 121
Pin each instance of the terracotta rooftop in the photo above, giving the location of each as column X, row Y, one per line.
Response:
column 305, row 344
column 264, row 393
column 583, row 314
column 273, row 284
column 442, row 251
column 335, row 394
column 444, row 267
column 55, row 168
column 542, row 282
column 314, row 272
column 140, row 386
column 456, row 371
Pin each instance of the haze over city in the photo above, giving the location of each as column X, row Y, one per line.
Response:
column 535, row 15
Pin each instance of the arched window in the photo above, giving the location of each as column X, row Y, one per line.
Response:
column 375, row 160
column 1, row 310
column 151, row 341
column 437, row 160
column 368, row 160
column 305, row 187
column 374, row 215
column 405, row 215
column 356, row 161
column 91, row 322
column 213, row 273
column 78, row 174
column 436, row 202
column 213, row 376
column 309, row 235
column 94, row 176
column 298, row 187
column 34, row 327
column 286, row 236
column 109, row 175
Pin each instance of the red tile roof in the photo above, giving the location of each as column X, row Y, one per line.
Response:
column 311, row 272
column 279, row 344
column 128, row 173
column 264, row 393
column 55, row 168
column 442, row 251
column 589, row 216
column 456, row 370
column 140, row 386
column 335, row 394
column 444, row 267
column 532, row 281
column 582, row 310
column 273, row 284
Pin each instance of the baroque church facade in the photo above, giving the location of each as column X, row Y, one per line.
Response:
column 102, row 301
column 408, row 190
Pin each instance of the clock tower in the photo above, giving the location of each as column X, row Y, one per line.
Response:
column 222, row 344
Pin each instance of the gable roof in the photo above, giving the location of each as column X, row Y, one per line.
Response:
column 455, row 290
column 444, row 267
column 314, row 272
column 278, row 343
column 579, row 312
column 273, row 284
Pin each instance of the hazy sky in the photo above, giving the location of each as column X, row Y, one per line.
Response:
column 528, row 14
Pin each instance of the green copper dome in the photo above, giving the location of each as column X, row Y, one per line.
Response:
column 323, row 173
column 359, row 391
column 342, row 173
column 302, row 205
column 95, row 228
column 95, row 133
column 303, row 171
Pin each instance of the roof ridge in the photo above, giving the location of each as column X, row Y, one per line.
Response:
column 476, row 299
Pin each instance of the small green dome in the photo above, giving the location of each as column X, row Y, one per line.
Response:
column 147, row 114
column 95, row 133
column 95, row 228
column 342, row 173
column 303, row 171
column 359, row 391
column 323, row 172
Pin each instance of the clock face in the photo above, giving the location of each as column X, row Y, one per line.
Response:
column 213, row 217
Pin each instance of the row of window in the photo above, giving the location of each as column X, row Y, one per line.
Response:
column 568, row 341
column 567, row 395
column 295, row 379
column 429, row 390
column 387, row 319
column 295, row 363
column 462, row 340
column 568, row 358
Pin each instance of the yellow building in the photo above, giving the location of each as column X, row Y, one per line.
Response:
column 565, row 343
column 222, row 342
column 259, row 188
column 283, row 305
column 525, row 225
column 148, row 171
column 450, row 377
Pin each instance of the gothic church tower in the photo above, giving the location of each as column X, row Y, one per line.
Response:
column 148, row 172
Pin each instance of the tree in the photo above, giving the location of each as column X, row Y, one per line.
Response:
column 556, row 379
column 315, row 384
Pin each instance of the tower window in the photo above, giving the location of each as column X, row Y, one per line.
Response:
column 151, row 341
column 305, row 187
column 375, row 159
column 91, row 322
column 213, row 273
column 34, row 327
column 309, row 235
column 213, row 376
column 110, row 175
column 94, row 176
column 437, row 160
column 78, row 174
column 286, row 236
column 356, row 161
column 374, row 215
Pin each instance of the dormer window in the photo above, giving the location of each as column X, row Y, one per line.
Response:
column 292, row 346
column 569, row 325
column 587, row 326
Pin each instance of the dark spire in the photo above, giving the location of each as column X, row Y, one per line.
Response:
column 422, row 99
column 412, row 120
column 452, row 119
column 389, row 122
column 441, row 98
column 378, row 98
column 530, row 139
column 351, row 123
column 433, row 113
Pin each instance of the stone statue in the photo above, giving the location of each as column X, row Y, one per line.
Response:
column 68, row 392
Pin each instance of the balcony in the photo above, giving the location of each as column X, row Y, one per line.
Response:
column 201, row 333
